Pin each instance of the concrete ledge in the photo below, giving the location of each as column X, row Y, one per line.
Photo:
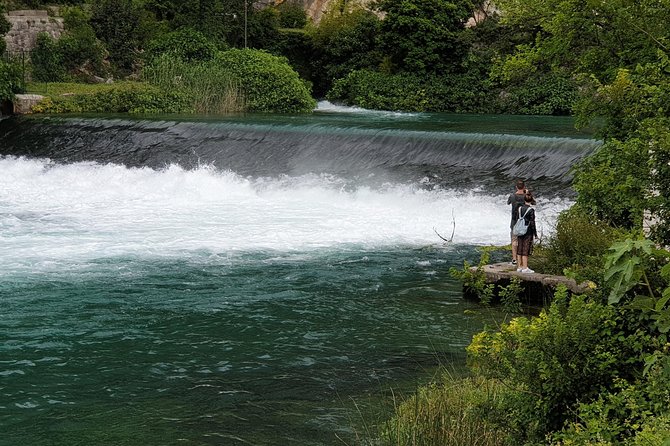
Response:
column 23, row 103
column 497, row 272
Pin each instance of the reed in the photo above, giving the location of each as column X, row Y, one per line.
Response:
column 445, row 414
column 208, row 86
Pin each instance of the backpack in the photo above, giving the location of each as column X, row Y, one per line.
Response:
column 521, row 227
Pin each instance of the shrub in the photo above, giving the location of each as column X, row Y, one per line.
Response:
column 46, row 60
column 633, row 414
column 117, row 24
column 344, row 40
column 407, row 92
column 371, row 89
column 578, row 245
column 611, row 183
column 268, row 82
column 292, row 14
column 135, row 99
column 78, row 47
column 185, row 44
column 549, row 364
column 11, row 80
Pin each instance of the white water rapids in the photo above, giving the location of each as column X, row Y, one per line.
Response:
column 60, row 214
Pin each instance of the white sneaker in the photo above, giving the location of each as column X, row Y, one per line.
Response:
column 527, row 271
column 518, row 270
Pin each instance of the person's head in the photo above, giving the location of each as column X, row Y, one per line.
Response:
column 528, row 198
column 520, row 185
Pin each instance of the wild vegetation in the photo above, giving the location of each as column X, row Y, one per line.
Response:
column 591, row 369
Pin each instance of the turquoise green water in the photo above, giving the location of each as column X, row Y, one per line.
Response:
column 250, row 349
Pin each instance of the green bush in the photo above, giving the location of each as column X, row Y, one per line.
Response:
column 11, row 81
column 292, row 14
column 375, row 90
column 46, row 61
column 577, row 246
column 268, row 82
column 344, row 40
column 136, row 99
column 549, row 364
column 553, row 93
column 185, row 44
column 612, row 182
column 633, row 414
column 407, row 92
column 117, row 24
column 78, row 47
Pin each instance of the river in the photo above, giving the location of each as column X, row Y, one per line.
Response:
column 251, row 279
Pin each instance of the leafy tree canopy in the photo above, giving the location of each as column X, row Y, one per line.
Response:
column 422, row 36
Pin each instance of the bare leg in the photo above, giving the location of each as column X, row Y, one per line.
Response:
column 515, row 244
column 524, row 262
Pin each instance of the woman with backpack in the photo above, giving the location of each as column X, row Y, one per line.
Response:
column 525, row 241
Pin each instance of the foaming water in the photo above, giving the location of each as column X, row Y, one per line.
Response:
column 82, row 211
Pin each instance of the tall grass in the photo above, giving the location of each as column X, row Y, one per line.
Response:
column 207, row 85
column 445, row 414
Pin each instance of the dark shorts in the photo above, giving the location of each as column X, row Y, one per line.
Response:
column 525, row 247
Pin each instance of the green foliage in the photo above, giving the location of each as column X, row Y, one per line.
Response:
column 345, row 40
column 11, row 81
column 78, row 47
column 263, row 29
column 636, row 413
column 611, row 183
column 589, row 36
column 407, row 92
column 134, row 99
column 577, row 246
column 117, row 24
column 655, row 135
column 548, row 364
column 5, row 26
column 444, row 414
column 623, row 267
column 268, row 82
column 629, row 173
column 46, row 60
column 626, row 270
column 374, row 90
column 509, row 295
column 474, row 282
column 553, row 93
column 185, row 44
column 474, row 279
column 422, row 36
column 630, row 99
column 292, row 14
column 208, row 86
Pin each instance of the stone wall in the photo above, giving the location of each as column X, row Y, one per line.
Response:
column 26, row 25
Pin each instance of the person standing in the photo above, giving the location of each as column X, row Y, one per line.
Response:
column 516, row 199
column 525, row 242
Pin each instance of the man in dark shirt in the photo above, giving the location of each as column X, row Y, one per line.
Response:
column 516, row 199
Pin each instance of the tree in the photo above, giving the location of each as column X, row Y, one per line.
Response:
column 5, row 26
column 592, row 36
column 423, row 36
column 117, row 23
column 344, row 41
